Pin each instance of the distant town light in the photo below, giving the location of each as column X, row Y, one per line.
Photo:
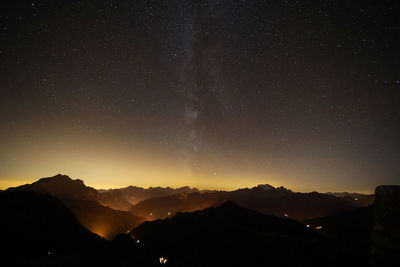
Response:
column 137, row 241
column 163, row 260
column 169, row 213
column 308, row 226
column 356, row 199
column 286, row 215
column 318, row 227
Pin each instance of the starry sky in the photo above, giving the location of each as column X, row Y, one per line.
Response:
column 212, row 94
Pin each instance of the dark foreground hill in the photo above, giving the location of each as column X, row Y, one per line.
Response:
column 82, row 201
column 350, row 230
column 372, row 233
column 230, row 235
column 38, row 229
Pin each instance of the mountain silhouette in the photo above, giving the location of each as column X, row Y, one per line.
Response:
column 38, row 229
column 370, row 236
column 359, row 200
column 354, row 223
column 162, row 207
column 83, row 203
column 93, row 207
column 231, row 235
column 266, row 199
column 125, row 198
column 60, row 186
column 348, row 230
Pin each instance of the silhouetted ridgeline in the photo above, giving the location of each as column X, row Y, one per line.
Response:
column 280, row 202
column 60, row 186
column 230, row 235
column 39, row 230
column 360, row 200
column 125, row 198
column 82, row 201
column 90, row 205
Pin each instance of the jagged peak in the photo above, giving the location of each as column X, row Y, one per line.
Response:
column 266, row 187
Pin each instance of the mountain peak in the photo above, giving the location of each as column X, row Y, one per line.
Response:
column 61, row 179
column 229, row 204
column 58, row 178
column 61, row 186
column 266, row 187
column 63, row 176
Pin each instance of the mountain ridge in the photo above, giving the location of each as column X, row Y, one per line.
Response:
column 279, row 201
column 219, row 236
column 111, row 212
column 83, row 202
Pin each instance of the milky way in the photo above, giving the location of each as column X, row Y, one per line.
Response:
column 202, row 85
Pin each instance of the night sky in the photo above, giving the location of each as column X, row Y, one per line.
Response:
column 212, row 94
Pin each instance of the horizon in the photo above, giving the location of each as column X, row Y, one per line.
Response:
column 16, row 183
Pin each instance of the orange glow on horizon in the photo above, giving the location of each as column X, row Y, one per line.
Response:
column 240, row 183
column 103, row 165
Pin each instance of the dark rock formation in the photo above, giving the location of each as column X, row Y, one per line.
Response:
column 386, row 227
